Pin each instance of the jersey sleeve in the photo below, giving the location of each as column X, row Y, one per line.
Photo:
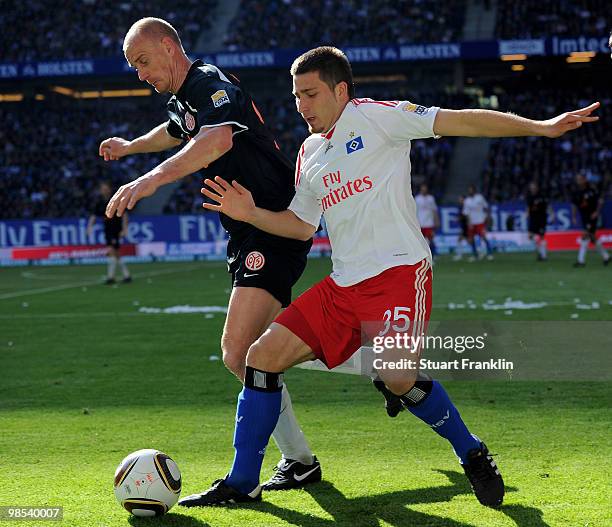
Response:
column 305, row 204
column 401, row 120
column 174, row 129
column 219, row 103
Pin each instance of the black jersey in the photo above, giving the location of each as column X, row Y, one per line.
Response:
column 537, row 205
column 586, row 200
column 209, row 98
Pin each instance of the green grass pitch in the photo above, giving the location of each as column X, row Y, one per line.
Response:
column 87, row 378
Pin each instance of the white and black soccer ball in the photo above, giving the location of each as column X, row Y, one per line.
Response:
column 147, row 483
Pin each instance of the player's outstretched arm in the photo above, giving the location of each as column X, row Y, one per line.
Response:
column 489, row 123
column 156, row 140
column 207, row 146
column 237, row 202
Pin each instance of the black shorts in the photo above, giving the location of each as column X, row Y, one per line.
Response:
column 589, row 224
column 537, row 226
column 267, row 262
column 112, row 236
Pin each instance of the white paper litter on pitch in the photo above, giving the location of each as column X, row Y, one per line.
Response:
column 181, row 310
column 514, row 304
column 593, row 305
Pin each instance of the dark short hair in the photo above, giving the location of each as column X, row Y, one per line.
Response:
column 330, row 62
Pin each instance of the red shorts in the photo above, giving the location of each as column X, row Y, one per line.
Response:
column 329, row 318
column 478, row 228
column 428, row 232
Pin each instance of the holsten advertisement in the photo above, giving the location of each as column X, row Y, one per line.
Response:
column 202, row 236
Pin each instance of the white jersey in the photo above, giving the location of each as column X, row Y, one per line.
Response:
column 426, row 210
column 358, row 176
column 475, row 208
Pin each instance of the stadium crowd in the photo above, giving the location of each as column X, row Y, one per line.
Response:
column 96, row 29
column 514, row 162
column 49, row 166
column 93, row 29
column 260, row 24
column 541, row 18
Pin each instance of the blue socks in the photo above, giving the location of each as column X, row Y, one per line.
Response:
column 440, row 413
column 256, row 417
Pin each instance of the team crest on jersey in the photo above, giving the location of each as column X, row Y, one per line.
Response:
column 416, row 108
column 219, row 98
column 354, row 144
column 254, row 261
column 189, row 121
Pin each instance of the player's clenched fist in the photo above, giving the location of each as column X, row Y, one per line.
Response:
column 113, row 148
column 233, row 199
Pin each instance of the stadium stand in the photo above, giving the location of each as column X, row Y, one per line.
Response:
column 50, row 167
column 540, row 18
column 260, row 24
column 93, row 29
column 514, row 162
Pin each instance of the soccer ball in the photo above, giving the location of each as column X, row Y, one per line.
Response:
column 147, row 483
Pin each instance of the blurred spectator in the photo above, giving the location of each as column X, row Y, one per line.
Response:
column 43, row 29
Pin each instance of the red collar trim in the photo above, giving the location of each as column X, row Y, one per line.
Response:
column 329, row 134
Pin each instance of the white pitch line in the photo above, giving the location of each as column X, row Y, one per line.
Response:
column 479, row 306
column 51, row 289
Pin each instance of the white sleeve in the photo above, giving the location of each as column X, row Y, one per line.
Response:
column 305, row 204
column 400, row 121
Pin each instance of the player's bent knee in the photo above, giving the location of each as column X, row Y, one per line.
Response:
column 234, row 363
column 277, row 350
column 234, row 354
column 265, row 356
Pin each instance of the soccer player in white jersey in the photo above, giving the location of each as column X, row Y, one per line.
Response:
column 427, row 214
column 355, row 170
column 476, row 208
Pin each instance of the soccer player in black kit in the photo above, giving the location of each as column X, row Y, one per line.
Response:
column 114, row 229
column 537, row 215
column 225, row 134
column 588, row 201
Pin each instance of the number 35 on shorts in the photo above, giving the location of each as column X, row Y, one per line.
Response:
column 395, row 319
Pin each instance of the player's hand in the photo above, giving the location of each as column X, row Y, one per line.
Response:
column 233, row 199
column 113, row 148
column 128, row 195
column 594, row 215
column 568, row 121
